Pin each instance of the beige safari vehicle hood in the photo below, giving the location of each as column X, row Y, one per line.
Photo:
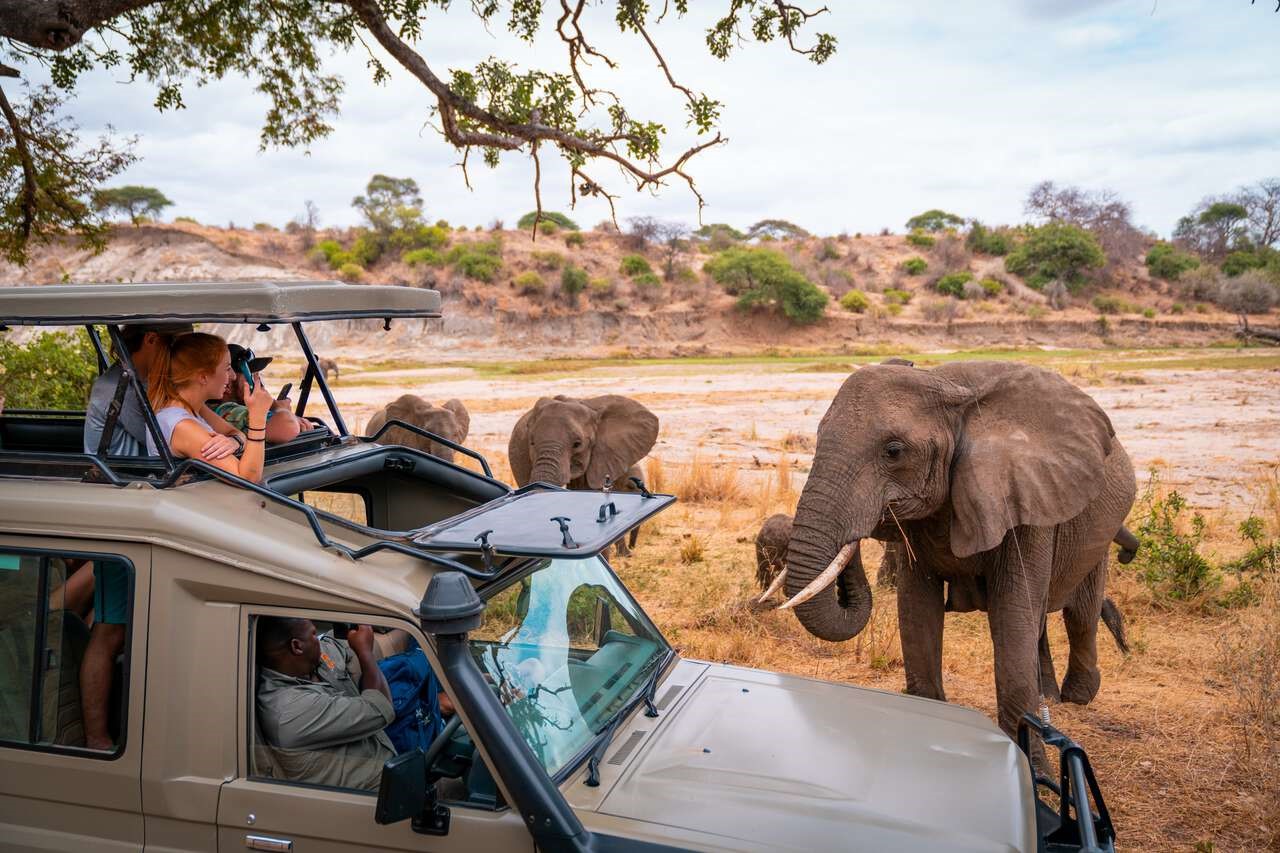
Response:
column 763, row 761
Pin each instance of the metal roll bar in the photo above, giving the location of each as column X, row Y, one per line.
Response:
column 439, row 439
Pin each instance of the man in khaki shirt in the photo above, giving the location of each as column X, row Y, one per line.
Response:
column 323, row 728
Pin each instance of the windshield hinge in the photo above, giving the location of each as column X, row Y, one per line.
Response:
column 434, row 819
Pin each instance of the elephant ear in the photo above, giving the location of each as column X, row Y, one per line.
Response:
column 518, row 444
column 1031, row 452
column 462, row 416
column 405, row 408
column 625, row 433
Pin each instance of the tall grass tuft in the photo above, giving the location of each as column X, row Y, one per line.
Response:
column 702, row 482
column 655, row 475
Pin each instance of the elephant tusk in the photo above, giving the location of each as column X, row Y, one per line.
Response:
column 773, row 587
column 823, row 580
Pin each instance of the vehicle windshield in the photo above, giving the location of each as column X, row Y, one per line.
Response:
column 567, row 647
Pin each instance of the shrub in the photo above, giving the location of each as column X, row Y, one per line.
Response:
column 1251, row 292
column 986, row 241
column 684, row 274
column 601, row 287
column 919, row 238
column 1169, row 563
column 558, row 219
column 54, row 370
column 548, row 260
column 574, row 239
column 940, row 310
column 635, row 265
column 423, row 258
column 529, row 283
column 1177, row 308
column 480, row 261
column 1056, row 251
column 894, row 296
column 1113, row 305
column 572, row 282
column 647, row 281
column 1149, row 313
column 894, row 308
column 188, row 219
column 367, row 249
column 1201, row 283
column 548, row 228
column 1238, row 262
column 973, row 291
column 992, row 286
column 828, row 251
column 934, row 220
column 419, row 237
column 766, row 277
column 915, row 265
column 952, row 284
column 855, row 301
column 332, row 252
column 350, row 272
column 1166, row 261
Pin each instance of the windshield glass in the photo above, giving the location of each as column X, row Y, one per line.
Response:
column 567, row 647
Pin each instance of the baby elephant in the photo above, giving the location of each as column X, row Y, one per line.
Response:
column 327, row 366
column 450, row 421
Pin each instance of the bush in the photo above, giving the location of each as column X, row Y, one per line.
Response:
column 558, row 219
column 647, row 282
column 634, row 265
column 191, row 220
column 548, row 260
column 350, row 272
column 766, row 277
column 332, row 253
column 919, row 238
column 1177, row 308
column 1200, row 284
column 1113, row 305
column 572, row 282
column 548, row 228
column 855, row 301
column 952, row 284
column 601, row 287
column 481, row 261
column 829, row 251
column 54, row 370
column 992, row 286
column 934, row 220
column 419, row 237
column 367, row 249
column 894, row 308
column 893, row 296
column 574, row 239
column 1056, row 251
column 1251, row 292
column 1169, row 563
column 1149, row 313
column 986, row 241
column 1166, row 261
column 915, row 265
column 423, row 258
column 972, row 290
column 1238, row 262
column 940, row 310
column 529, row 283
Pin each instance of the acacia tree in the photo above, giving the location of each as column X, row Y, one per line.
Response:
column 1213, row 227
column 132, row 200
column 495, row 107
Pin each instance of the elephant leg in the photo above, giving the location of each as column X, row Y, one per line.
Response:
column 1016, row 599
column 890, row 565
column 1048, row 677
column 632, row 537
column 920, row 619
column 1081, row 616
column 621, row 546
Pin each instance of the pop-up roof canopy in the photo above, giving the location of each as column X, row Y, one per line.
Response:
column 211, row 302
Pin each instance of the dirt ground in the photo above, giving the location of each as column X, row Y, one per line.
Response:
column 1167, row 734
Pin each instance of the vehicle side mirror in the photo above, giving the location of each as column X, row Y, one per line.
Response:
column 403, row 793
column 403, row 788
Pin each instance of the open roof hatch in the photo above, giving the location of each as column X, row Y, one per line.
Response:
column 541, row 520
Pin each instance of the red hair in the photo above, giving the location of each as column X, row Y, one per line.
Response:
column 178, row 364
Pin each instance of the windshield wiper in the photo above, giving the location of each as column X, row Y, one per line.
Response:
column 605, row 736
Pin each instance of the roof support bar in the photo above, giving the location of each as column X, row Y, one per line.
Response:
column 314, row 367
column 103, row 363
column 131, row 374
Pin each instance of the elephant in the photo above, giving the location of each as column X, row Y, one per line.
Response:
column 328, row 365
column 583, row 443
column 450, row 421
column 771, row 558
column 1006, row 485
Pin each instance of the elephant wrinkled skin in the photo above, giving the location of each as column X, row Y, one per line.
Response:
column 1004, row 481
column 450, row 421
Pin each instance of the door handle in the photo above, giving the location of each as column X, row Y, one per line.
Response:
column 262, row 842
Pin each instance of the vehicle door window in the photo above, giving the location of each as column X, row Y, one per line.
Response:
column 64, row 626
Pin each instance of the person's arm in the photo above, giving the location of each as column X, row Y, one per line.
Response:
column 360, row 641
column 189, row 439
column 316, row 718
column 282, row 425
column 226, row 439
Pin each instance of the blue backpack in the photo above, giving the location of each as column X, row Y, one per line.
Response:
column 415, row 695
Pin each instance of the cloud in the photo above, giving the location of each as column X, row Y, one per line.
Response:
column 1091, row 36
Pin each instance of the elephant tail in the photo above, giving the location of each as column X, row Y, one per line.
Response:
column 1114, row 620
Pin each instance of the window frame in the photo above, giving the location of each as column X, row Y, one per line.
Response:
column 42, row 625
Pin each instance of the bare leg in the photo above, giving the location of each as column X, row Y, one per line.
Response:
column 1048, row 678
column 1081, row 616
column 105, row 642
column 920, row 615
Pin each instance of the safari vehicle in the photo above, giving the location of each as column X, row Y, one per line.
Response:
column 578, row 726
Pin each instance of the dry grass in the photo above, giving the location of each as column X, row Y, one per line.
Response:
column 655, row 475
column 702, row 481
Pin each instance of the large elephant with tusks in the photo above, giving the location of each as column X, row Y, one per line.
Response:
column 1005, row 485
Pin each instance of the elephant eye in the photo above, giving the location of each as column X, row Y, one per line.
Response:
column 893, row 449
column 577, row 445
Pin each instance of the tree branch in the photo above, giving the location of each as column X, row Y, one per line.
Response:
column 29, row 185
column 59, row 24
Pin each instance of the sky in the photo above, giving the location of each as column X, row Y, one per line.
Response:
column 962, row 106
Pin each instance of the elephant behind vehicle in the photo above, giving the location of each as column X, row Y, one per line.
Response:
column 1006, row 483
column 450, row 421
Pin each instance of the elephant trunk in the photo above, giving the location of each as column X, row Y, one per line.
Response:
column 549, row 466
column 821, row 544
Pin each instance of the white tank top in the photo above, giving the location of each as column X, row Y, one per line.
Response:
column 169, row 417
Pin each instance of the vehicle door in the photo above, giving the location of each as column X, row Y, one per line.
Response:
column 261, row 809
column 73, row 643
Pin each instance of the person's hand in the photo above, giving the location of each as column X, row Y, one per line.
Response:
column 282, row 404
column 219, row 447
column 304, row 425
column 258, row 401
column 360, row 639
